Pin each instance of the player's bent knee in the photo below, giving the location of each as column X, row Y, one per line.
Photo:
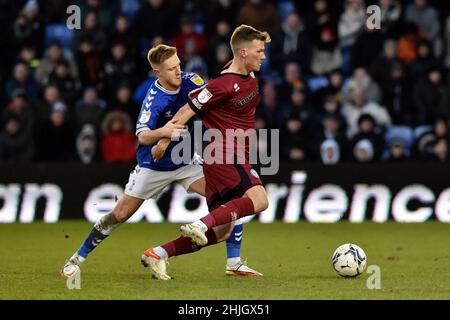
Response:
column 261, row 204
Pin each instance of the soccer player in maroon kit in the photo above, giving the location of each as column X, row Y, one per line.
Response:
column 233, row 188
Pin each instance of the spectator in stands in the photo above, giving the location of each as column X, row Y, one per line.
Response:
column 219, row 10
column 260, row 14
column 331, row 131
column 380, row 68
column 86, row 144
column 267, row 109
column 21, row 79
column 19, row 106
column 28, row 28
column 326, row 55
column 105, row 10
column 435, row 145
column 425, row 58
column 90, row 109
column 446, row 43
column 391, row 11
column 123, row 102
column 359, row 105
column 55, row 141
column 363, row 151
column 16, row 143
column 53, row 56
column 330, row 152
column 362, row 80
column 397, row 151
column 155, row 18
column 187, row 38
column 291, row 44
column 28, row 56
column 91, row 29
column 293, row 79
column 90, row 63
column 119, row 141
column 426, row 18
column 397, row 89
column 123, row 33
column 119, row 67
column 219, row 51
column 294, row 140
column 349, row 27
column 369, row 133
column 68, row 86
column 333, row 88
column 428, row 96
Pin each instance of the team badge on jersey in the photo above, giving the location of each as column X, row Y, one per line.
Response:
column 197, row 80
column 204, row 96
column 145, row 116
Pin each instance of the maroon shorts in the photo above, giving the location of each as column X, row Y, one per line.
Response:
column 225, row 182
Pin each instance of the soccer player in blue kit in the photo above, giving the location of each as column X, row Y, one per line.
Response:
column 164, row 98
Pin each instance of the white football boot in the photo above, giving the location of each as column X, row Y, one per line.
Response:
column 196, row 233
column 157, row 265
column 241, row 269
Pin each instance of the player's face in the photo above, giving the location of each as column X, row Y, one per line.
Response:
column 169, row 72
column 255, row 55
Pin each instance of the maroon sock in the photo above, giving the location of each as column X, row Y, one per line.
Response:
column 230, row 211
column 184, row 245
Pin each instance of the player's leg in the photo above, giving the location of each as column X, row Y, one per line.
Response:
column 254, row 201
column 142, row 184
column 124, row 209
column 235, row 265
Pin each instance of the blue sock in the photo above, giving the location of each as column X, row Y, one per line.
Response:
column 234, row 242
column 93, row 239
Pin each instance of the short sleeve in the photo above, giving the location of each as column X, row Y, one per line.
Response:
column 148, row 117
column 208, row 97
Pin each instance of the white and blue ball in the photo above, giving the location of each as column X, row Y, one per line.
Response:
column 349, row 260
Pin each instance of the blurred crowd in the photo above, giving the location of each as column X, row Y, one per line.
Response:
column 337, row 90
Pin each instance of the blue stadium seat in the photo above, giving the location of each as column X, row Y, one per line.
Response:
column 284, row 8
column 404, row 133
column 129, row 8
column 58, row 33
column 420, row 130
column 315, row 83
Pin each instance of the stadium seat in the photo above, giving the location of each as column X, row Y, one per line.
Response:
column 284, row 8
column 404, row 133
column 315, row 83
column 58, row 33
column 129, row 8
column 420, row 130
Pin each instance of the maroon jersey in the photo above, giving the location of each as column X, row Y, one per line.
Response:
column 228, row 103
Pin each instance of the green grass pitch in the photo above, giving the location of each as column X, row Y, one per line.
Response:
column 295, row 258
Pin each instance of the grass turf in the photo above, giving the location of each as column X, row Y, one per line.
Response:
column 295, row 260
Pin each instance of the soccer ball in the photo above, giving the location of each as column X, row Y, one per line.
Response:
column 349, row 260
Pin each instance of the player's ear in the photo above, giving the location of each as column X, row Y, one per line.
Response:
column 243, row 52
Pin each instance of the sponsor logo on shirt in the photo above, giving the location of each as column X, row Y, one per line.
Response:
column 240, row 103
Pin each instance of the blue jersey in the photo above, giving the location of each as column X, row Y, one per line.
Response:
column 159, row 107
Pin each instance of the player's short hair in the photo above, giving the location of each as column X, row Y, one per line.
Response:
column 244, row 34
column 159, row 54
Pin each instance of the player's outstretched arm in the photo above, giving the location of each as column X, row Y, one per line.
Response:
column 181, row 117
column 147, row 137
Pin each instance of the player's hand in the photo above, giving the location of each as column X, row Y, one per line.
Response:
column 159, row 149
column 172, row 129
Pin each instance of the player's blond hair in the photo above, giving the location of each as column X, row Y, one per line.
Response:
column 244, row 34
column 159, row 54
